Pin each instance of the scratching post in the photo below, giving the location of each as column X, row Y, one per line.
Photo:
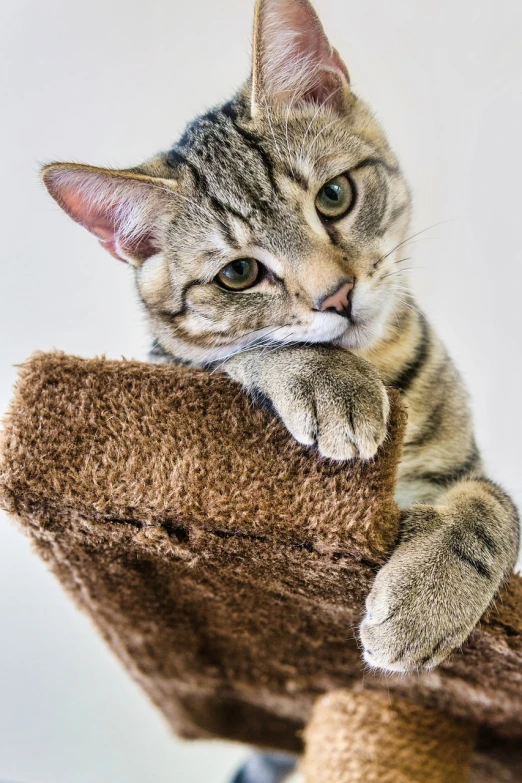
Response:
column 227, row 567
column 375, row 738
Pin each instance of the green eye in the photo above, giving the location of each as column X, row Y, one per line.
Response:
column 335, row 198
column 239, row 275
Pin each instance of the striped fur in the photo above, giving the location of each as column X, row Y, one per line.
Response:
column 242, row 182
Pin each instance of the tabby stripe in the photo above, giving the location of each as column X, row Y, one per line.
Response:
column 253, row 142
column 412, row 368
column 168, row 314
column 395, row 215
column 404, row 651
column 434, row 652
column 443, row 478
column 335, row 237
column 175, row 157
column 485, row 539
column 225, row 211
column 230, row 111
column 499, row 494
column 227, row 231
column 476, row 564
column 431, row 425
column 372, row 161
column 201, row 183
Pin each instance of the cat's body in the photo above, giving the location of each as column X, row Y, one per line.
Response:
column 269, row 243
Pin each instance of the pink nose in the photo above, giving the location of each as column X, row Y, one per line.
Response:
column 340, row 301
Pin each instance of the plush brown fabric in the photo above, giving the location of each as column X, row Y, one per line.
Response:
column 153, row 444
column 226, row 565
column 369, row 738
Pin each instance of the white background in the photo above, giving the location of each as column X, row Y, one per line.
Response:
column 112, row 81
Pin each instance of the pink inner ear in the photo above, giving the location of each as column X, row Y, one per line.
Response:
column 295, row 56
column 99, row 222
column 107, row 239
column 328, row 90
column 139, row 247
column 94, row 201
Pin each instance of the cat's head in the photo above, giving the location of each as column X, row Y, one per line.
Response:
column 274, row 218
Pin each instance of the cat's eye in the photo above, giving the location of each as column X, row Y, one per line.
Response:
column 335, row 198
column 240, row 274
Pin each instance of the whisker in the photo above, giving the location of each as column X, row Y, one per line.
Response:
column 272, row 131
column 286, row 126
column 272, row 346
column 311, row 122
column 408, row 304
column 314, row 140
column 401, row 271
column 397, row 271
column 418, row 233
column 249, row 346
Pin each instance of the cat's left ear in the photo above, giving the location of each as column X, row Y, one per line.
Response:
column 293, row 60
column 123, row 209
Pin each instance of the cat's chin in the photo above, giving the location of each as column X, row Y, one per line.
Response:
column 359, row 335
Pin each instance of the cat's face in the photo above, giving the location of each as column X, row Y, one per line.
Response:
column 275, row 217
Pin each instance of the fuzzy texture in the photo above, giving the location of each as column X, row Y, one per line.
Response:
column 226, row 565
column 270, row 242
column 341, row 749
column 157, row 444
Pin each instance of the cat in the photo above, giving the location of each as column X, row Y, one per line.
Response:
column 268, row 243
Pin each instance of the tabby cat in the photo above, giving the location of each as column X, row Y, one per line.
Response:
column 268, row 243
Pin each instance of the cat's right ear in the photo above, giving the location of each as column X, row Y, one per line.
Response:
column 121, row 208
column 293, row 60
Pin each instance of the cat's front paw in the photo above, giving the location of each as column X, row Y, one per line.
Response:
column 325, row 396
column 407, row 637
column 424, row 603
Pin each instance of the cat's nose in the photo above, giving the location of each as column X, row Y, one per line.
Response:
column 340, row 301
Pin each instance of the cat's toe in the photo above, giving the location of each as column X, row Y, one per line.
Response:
column 406, row 641
column 381, row 649
column 399, row 632
column 348, row 426
column 388, row 646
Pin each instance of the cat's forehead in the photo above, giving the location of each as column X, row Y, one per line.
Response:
column 245, row 161
column 227, row 162
column 230, row 169
column 247, row 181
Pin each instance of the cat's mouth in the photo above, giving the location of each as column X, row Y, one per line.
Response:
column 354, row 327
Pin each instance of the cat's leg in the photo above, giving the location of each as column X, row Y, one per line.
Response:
column 324, row 395
column 450, row 561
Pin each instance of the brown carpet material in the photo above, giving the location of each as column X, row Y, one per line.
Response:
column 372, row 738
column 226, row 565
